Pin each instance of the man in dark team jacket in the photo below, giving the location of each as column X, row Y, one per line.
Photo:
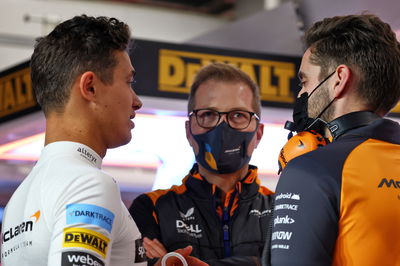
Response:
column 220, row 209
column 340, row 204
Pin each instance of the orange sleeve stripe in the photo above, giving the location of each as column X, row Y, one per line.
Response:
column 156, row 194
column 265, row 191
column 252, row 177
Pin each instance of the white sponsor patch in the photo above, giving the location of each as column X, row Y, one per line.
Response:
column 292, row 196
column 260, row 214
column 276, row 246
column 188, row 215
column 192, row 230
column 283, row 220
column 281, row 235
column 292, row 207
column 295, row 197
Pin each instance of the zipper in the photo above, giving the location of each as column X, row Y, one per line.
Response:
column 226, row 226
column 266, row 254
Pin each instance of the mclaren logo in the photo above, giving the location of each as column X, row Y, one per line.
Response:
column 25, row 226
column 389, row 183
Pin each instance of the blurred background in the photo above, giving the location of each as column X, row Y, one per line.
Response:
column 263, row 37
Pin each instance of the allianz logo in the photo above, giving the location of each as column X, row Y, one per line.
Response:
column 292, row 196
column 283, row 220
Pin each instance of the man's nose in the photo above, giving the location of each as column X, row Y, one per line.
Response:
column 136, row 103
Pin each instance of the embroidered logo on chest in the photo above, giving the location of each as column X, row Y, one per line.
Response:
column 185, row 225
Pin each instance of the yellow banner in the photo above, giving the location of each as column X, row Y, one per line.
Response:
column 177, row 69
column 16, row 92
column 396, row 109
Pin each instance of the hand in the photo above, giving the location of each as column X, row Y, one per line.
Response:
column 185, row 252
column 154, row 248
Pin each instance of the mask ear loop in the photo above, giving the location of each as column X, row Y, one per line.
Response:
column 318, row 116
column 173, row 254
column 322, row 82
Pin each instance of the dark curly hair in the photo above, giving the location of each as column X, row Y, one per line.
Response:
column 75, row 46
column 369, row 47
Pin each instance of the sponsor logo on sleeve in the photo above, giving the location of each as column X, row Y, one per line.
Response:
column 140, row 253
column 283, row 220
column 276, row 246
column 292, row 207
column 281, row 235
column 76, row 258
column 90, row 214
column 85, row 238
column 291, row 196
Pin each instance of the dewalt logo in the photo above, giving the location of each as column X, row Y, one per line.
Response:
column 85, row 238
column 178, row 68
column 16, row 92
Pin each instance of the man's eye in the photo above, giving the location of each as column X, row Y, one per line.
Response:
column 207, row 114
column 237, row 115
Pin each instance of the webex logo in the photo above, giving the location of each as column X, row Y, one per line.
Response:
column 79, row 259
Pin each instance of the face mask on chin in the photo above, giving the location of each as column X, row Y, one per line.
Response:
column 223, row 150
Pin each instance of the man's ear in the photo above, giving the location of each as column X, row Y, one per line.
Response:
column 343, row 81
column 87, row 85
column 259, row 133
column 188, row 135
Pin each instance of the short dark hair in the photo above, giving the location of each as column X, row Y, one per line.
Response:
column 226, row 73
column 75, row 46
column 369, row 47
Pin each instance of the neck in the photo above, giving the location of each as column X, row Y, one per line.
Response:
column 225, row 182
column 61, row 127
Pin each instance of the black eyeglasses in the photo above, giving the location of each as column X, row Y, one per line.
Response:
column 209, row 118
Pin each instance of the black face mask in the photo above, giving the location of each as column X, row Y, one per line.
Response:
column 302, row 121
column 223, row 149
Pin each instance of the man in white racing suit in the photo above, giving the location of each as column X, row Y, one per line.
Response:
column 68, row 211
